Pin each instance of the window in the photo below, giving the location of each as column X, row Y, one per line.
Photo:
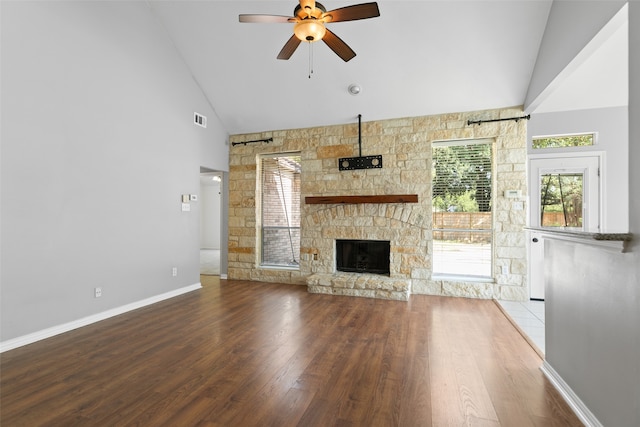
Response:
column 558, row 141
column 462, row 200
column 280, row 219
column 561, row 202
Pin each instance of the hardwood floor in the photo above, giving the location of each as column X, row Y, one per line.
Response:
column 255, row 354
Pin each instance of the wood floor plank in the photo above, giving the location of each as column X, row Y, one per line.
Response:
column 265, row 354
column 415, row 406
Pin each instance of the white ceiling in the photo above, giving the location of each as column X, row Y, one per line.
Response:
column 600, row 79
column 418, row 58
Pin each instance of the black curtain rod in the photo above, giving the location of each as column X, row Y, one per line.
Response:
column 267, row 140
column 477, row 122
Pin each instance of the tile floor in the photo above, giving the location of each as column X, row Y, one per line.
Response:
column 529, row 316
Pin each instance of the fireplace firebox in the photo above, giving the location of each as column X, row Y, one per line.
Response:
column 363, row 256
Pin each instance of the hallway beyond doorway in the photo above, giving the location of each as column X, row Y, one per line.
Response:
column 210, row 262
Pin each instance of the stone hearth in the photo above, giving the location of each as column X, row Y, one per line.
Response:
column 361, row 285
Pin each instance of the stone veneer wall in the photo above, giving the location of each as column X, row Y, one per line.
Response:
column 405, row 145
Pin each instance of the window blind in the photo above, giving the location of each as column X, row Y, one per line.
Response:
column 280, row 219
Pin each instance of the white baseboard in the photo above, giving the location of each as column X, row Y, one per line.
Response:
column 223, row 276
column 572, row 399
column 66, row 327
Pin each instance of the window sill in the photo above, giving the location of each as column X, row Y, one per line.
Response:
column 461, row 278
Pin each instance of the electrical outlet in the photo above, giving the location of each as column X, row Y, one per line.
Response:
column 97, row 292
column 505, row 270
column 174, row 271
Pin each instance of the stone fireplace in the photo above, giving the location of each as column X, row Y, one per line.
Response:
column 363, row 205
column 394, row 223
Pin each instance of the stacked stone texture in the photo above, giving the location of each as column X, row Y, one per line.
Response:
column 405, row 146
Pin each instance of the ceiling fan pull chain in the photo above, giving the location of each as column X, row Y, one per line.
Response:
column 310, row 59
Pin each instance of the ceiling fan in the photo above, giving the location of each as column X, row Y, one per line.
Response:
column 310, row 18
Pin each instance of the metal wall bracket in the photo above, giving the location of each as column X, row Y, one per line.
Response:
column 366, row 162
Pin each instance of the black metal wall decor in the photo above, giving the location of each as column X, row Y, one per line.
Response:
column 360, row 162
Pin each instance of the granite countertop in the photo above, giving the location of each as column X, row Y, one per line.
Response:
column 619, row 237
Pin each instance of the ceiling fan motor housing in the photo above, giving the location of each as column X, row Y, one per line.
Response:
column 309, row 9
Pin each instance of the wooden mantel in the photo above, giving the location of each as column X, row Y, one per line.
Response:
column 392, row 198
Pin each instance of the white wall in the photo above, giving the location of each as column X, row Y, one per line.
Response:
column 612, row 127
column 97, row 147
column 593, row 295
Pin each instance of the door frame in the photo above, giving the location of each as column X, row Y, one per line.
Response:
column 222, row 218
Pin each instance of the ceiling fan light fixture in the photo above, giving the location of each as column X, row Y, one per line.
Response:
column 309, row 30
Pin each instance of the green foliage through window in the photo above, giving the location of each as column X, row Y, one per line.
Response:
column 561, row 200
column 563, row 141
column 462, row 178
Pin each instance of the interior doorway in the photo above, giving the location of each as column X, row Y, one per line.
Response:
column 210, row 222
column 565, row 194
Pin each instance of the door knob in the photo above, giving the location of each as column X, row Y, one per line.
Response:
column 535, row 240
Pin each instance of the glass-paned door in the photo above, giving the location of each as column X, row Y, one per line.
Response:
column 565, row 193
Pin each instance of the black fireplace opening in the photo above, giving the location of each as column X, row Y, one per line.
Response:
column 363, row 256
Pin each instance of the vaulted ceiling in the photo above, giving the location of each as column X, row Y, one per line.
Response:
column 418, row 58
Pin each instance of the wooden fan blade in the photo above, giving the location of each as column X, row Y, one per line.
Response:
column 354, row 12
column 264, row 19
column 336, row 44
column 289, row 47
